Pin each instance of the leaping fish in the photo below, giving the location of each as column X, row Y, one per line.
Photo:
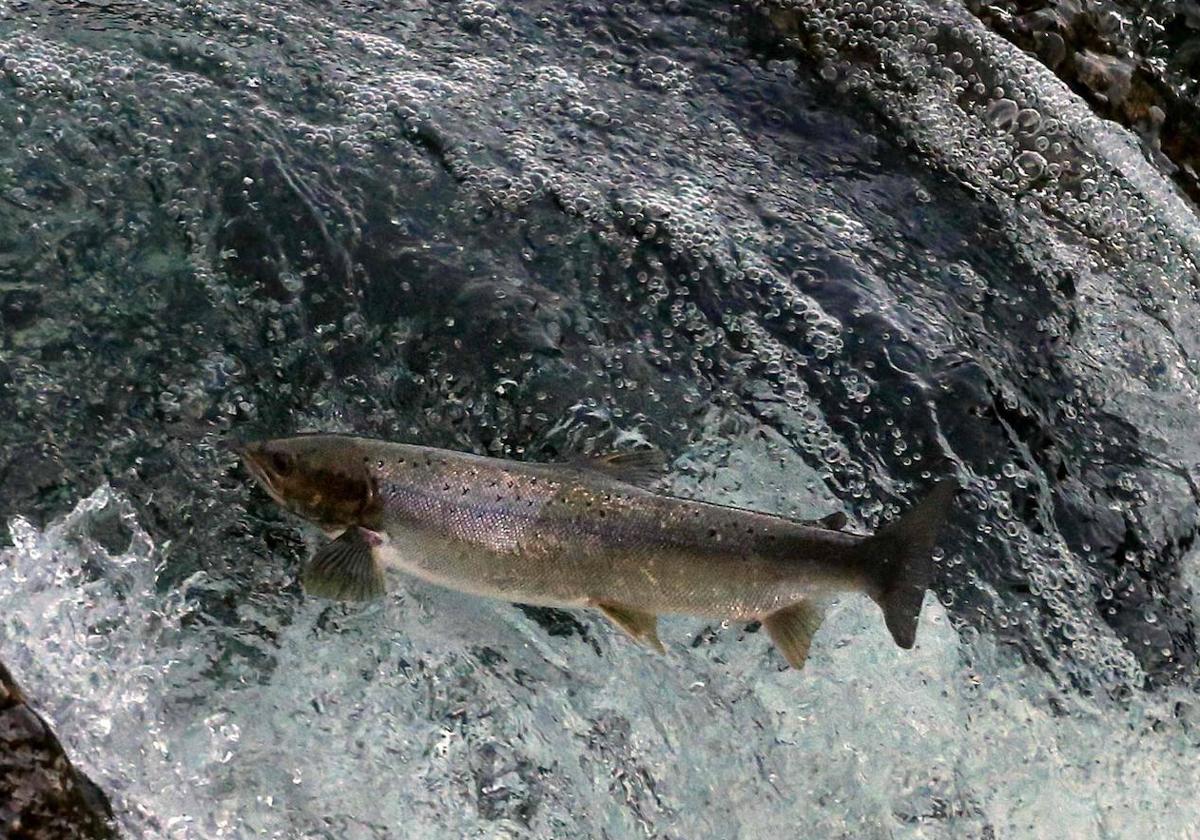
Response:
column 587, row 535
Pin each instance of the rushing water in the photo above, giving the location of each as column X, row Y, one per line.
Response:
column 817, row 272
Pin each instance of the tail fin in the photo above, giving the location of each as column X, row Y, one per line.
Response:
column 902, row 553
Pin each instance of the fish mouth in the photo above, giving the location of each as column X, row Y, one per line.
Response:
column 254, row 458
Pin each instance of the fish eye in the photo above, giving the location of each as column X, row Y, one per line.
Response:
column 281, row 462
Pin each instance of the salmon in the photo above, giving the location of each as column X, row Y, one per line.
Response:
column 587, row 535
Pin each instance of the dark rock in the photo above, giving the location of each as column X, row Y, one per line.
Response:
column 42, row 796
column 19, row 308
column 1108, row 78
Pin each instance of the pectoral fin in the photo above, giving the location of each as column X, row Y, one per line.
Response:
column 792, row 629
column 642, row 626
column 345, row 569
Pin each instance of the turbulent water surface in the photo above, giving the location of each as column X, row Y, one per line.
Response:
column 820, row 254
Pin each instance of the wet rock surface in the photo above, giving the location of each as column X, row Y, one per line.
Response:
column 42, row 796
column 1137, row 64
column 533, row 289
column 820, row 253
column 975, row 109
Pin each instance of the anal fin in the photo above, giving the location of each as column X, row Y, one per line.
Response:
column 792, row 629
column 642, row 626
column 345, row 569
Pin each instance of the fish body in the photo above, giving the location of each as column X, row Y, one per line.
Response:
column 579, row 536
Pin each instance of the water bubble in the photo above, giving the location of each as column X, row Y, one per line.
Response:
column 1002, row 114
column 1030, row 164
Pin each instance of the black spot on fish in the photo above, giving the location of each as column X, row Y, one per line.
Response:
column 712, row 532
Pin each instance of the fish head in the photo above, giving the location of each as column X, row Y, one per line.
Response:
column 319, row 477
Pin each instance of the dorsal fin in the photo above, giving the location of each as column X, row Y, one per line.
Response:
column 642, row 467
column 834, row 521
